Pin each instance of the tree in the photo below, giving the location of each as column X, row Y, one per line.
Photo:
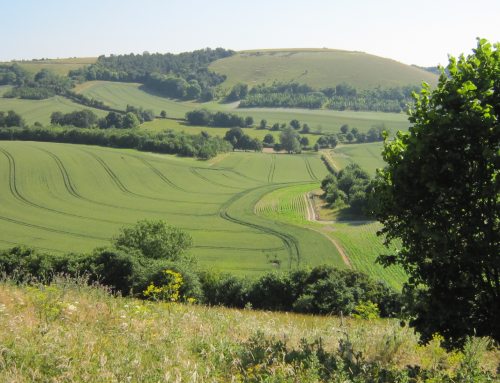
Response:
column 305, row 129
column 248, row 121
column 344, row 129
column 268, row 139
column 163, row 114
column 304, row 141
column 295, row 124
column 198, row 117
column 289, row 140
column 439, row 196
column 154, row 239
column 130, row 120
column 263, row 124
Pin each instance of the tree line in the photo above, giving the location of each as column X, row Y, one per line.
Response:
column 340, row 97
column 202, row 117
column 202, row 145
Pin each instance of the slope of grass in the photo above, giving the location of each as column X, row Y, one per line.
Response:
column 40, row 110
column 64, row 197
column 318, row 68
column 68, row 332
column 368, row 156
column 59, row 66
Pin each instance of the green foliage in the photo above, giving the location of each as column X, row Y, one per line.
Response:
column 289, row 140
column 439, row 196
column 11, row 119
column 349, row 186
column 79, row 118
column 203, row 117
column 154, row 239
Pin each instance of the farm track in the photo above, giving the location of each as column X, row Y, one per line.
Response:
column 272, row 169
column 239, row 248
column 309, row 169
column 290, row 243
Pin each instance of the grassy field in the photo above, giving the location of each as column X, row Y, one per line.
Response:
column 63, row 197
column 319, row 68
column 59, row 66
column 40, row 110
column 368, row 156
column 73, row 333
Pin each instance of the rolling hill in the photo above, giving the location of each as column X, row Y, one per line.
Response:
column 319, row 68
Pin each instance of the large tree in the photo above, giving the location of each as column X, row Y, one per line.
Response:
column 439, row 196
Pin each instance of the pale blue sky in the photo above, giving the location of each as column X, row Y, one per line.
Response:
column 419, row 32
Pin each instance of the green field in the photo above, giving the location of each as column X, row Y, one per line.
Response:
column 368, row 156
column 59, row 66
column 62, row 197
column 319, row 68
column 40, row 110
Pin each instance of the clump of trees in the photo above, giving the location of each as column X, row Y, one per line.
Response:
column 348, row 187
column 439, row 197
column 86, row 118
column 183, row 76
column 202, row 117
column 43, row 84
column 11, row 119
column 242, row 141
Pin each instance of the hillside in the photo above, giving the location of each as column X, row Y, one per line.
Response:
column 68, row 332
column 319, row 68
column 61, row 197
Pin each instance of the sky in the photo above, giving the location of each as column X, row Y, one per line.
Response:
column 421, row 32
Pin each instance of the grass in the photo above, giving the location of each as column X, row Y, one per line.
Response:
column 59, row 66
column 318, row 68
column 40, row 110
column 62, row 197
column 368, row 156
column 69, row 332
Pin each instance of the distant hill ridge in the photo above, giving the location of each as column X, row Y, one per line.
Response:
column 319, row 68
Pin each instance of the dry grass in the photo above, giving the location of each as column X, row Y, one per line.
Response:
column 68, row 332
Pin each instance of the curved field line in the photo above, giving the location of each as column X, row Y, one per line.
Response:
column 290, row 243
column 44, row 228
column 309, row 169
column 239, row 248
column 272, row 168
column 31, row 246
column 17, row 195
column 125, row 190
column 197, row 174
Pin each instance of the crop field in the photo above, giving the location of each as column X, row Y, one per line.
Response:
column 319, row 68
column 40, row 110
column 59, row 66
column 368, row 156
column 62, row 197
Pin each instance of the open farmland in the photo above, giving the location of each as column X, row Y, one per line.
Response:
column 40, row 110
column 318, row 68
column 63, row 197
